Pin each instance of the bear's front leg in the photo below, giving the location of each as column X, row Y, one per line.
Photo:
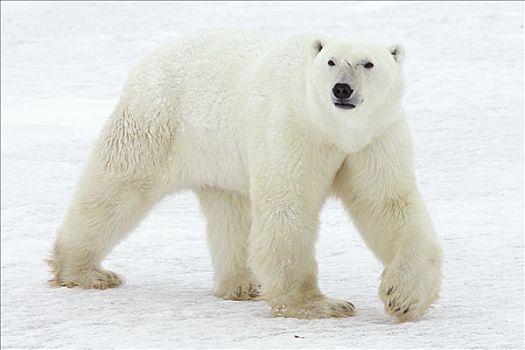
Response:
column 378, row 188
column 289, row 188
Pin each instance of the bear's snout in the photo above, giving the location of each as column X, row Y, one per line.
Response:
column 342, row 91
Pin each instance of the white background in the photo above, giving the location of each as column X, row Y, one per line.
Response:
column 63, row 65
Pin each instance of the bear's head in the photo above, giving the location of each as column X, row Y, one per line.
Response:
column 354, row 89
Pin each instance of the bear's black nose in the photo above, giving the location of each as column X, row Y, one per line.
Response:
column 342, row 91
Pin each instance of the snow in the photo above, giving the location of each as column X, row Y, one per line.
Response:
column 63, row 65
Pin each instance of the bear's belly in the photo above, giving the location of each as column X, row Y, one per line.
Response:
column 207, row 158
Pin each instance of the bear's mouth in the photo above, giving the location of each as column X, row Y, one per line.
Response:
column 344, row 105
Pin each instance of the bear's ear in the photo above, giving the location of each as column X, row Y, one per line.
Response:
column 316, row 46
column 398, row 52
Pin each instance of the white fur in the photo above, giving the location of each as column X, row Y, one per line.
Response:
column 247, row 122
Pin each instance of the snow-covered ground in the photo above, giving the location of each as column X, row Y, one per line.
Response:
column 62, row 68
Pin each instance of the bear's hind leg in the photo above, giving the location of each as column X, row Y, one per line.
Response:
column 126, row 175
column 228, row 215
column 103, row 211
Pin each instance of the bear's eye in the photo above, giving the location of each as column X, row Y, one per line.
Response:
column 331, row 63
column 369, row 65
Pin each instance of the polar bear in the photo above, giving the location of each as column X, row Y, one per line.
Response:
column 263, row 129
